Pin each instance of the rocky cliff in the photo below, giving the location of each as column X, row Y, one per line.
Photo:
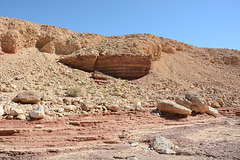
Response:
column 128, row 56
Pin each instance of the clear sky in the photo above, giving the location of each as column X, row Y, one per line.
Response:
column 202, row 23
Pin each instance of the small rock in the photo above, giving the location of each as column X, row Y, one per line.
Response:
column 163, row 145
column 27, row 97
column 220, row 101
column 212, row 111
column 9, row 117
column 215, row 104
column 38, row 113
column 60, row 110
column 16, row 111
column 21, row 117
column 113, row 107
column 87, row 106
column 39, row 126
column 70, row 107
column 131, row 158
column 134, row 144
column 99, row 75
column 172, row 107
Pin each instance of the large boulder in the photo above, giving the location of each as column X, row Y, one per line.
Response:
column 27, row 97
column 163, row 145
column 169, row 106
column 193, row 102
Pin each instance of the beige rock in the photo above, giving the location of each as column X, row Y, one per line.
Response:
column 60, row 110
column 113, row 107
column 16, row 111
column 198, row 104
column 172, row 107
column 27, row 97
column 163, row 145
column 215, row 104
column 212, row 111
column 70, row 107
column 38, row 113
column 87, row 106
column 192, row 101
column 21, row 117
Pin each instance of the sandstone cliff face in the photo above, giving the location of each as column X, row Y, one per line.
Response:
column 128, row 56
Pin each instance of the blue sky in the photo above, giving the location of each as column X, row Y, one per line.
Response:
column 202, row 23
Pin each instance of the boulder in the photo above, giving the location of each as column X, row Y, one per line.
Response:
column 193, row 102
column 163, row 145
column 198, row 104
column 172, row 107
column 27, row 97
column 38, row 113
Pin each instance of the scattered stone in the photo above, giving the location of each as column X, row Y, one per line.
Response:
column 163, row 145
column 131, row 158
column 113, row 107
column 39, row 126
column 16, row 111
column 87, row 106
column 212, row 111
column 215, row 104
column 21, row 117
column 169, row 106
column 134, row 144
column 27, row 97
column 60, row 110
column 70, row 108
column 37, row 113
column 220, row 101
column 99, row 75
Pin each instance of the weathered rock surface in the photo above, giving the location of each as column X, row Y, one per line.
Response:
column 172, row 107
column 163, row 145
column 17, row 34
column 192, row 101
column 196, row 103
column 212, row 111
column 38, row 113
column 27, row 97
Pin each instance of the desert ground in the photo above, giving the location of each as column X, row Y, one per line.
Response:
column 66, row 95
